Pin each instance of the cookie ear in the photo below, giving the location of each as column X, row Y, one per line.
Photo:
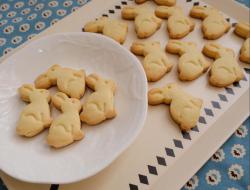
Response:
column 92, row 80
column 25, row 91
column 137, row 48
column 140, row 1
column 54, row 67
column 199, row 12
column 175, row 47
column 95, row 26
column 58, row 99
column 129, row 13
column 155, row 96
column 43, row 81
column 212, row 50
column 164, row 12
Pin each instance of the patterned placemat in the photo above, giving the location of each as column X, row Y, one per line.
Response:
column 21, row 20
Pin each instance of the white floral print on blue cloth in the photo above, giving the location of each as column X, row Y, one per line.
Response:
column 22, row 20
column 228, row 169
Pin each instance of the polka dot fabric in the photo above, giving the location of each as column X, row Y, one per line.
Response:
column 228, row 168
column 22, row 20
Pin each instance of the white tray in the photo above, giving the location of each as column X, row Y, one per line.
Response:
column 159, row 142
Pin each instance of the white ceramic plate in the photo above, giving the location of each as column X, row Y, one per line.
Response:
column 32, row 159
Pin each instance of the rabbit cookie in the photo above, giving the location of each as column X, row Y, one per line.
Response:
column 68, row 81
column 184, row 108
column 214, row 24
column 99, row 106
column 35, row 117
column 159, row 2
column 112, row 28
column 243, row 30
column 156, row 63
column 66, row 128
column 225, row 70
column 146, row 23
column 192, row 63
column 178, row 24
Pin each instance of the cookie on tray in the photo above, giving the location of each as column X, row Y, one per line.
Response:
column 184, row 108
column 214, row 24
column 156, row 63
column 146, row 23
column 243, row 30
column 225, row 70
column 112, row 28
column 178, row 24
column 192, row 63
column 159, row 2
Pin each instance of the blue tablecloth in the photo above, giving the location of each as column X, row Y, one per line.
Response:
column 21, row 20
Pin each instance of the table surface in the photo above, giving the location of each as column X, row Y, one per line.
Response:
column 22, row 20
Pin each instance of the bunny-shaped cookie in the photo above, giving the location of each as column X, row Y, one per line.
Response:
column 69, row 81
column 191, row 63
column 35, row 116
column 225, row 70
column 66, row 128
column 178, row 24
column 159, row 2
column 115, row 29
column 156, row 63
column 184, row 108
column 99, row 106
column 146, row 23
column 243, row 30
column 214, row 24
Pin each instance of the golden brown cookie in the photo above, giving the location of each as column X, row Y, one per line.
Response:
column 156, row 63
column 99, row 106
column 214, row 25
column 146, row 23
column 159, row 2
column 112, row 28
column 184, row 108
column 178, row 24
column 192, row 63
column 66, row 128
column 243, row 30
column 67, row 80
column 225, row 70
column 35, row 117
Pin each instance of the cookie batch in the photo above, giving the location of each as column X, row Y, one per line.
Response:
column 223, row 70
column 65, row 128
column 223, row 67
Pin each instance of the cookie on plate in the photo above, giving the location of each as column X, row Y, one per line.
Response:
column 35, row 117
column 66, row 128
column 184, row 108
column 225, row 70
column 99, row 106
column 214, row 25
column 159, row 2
column 112, row 28
column 156, row 63
column 67, row 80
column 243, row 30
column 178, row 24
column 146, row 23
column 192, row 63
